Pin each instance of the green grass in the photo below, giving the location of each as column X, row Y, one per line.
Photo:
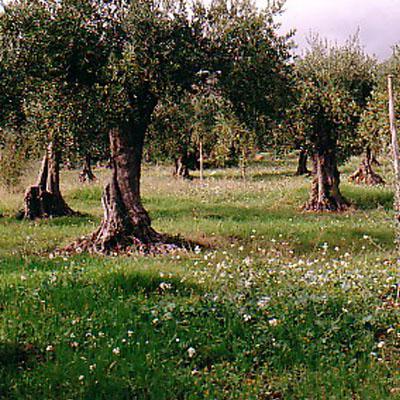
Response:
column 279, row 304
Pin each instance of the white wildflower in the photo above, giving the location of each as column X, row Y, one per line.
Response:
column 273, row 322
column 165, row 286
column 246, row 317
column 191, row 352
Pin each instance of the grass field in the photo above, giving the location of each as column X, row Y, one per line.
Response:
column 276, row 304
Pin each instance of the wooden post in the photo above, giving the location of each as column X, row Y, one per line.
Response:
column 201, row 161
column 243, row 164
column 396, row 157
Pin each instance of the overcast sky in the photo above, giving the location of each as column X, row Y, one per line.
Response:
column 378, row 20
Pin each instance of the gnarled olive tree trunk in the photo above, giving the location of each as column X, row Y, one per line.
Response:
column 87, row 174
column 182, row 161
column 365, row 173
column 125, row 220
column 44, row 199
column 181, row 168
column 325, row 192
column 302, row 163
column 126, row 224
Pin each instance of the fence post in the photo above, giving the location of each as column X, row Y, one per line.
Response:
column 396, row 159
column 201, row 161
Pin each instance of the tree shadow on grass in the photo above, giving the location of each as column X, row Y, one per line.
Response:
column 272, row 175
column 254, row 175
column 150, row 284
column 304, row 231
column 367, row 198
column 14, row 358
column 77, row 220
column 79, row 292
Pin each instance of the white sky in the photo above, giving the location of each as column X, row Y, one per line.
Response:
column 378, row 20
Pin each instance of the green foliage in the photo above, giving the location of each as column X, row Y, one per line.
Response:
column 334, row 84
column 13, row 160
column 204, row 116
column 374, row 128
column 88, row 67
column 253, row 60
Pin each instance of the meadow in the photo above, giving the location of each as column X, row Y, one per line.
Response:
column 273, row 303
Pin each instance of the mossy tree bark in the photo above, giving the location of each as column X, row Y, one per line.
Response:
column 365, row 174
column 44, row 199
column 325, row 192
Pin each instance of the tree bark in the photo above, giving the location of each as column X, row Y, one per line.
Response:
column 43, row 173
column 302, row 164
column 126, row 224
column 325, row 192
column 87, row 174
column 365, row 173
column 182, row 164
column 45, row 199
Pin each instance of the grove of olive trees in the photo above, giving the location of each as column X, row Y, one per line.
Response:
column 191, row 207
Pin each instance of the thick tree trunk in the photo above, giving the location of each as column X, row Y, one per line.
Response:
column 182, row 164
column 181, row 168
column 45, row 199
column 125, row 221
column 325, row 192
column 126, row 225
column 302, row 164
column 87, row 174
column 365, row 173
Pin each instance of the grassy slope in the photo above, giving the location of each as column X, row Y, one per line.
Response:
column 282, row 304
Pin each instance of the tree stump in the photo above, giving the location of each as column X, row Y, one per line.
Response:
column 44, row 199
column 365, row 174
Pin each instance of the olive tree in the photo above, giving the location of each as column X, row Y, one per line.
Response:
column 135, row 53
column 163, row 49
column 334, row 83
column 374, row 128
column 57, row 51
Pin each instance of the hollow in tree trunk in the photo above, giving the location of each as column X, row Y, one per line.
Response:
column 44, row 199
column 325, row 192
column 87, row 174
column 302, row 163
column 365, row 173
